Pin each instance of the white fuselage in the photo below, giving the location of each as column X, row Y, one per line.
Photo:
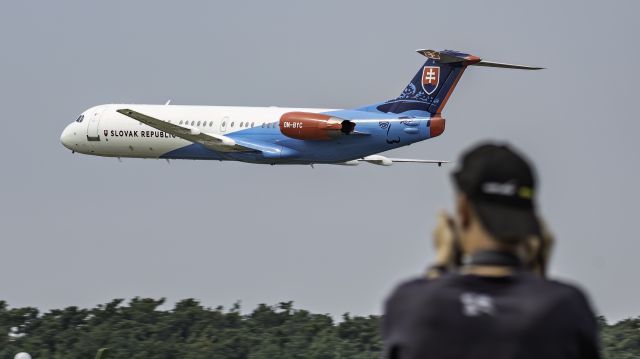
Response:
column 103, row 131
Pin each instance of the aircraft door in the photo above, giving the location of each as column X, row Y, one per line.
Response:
column 224, row 123
column 92, row 124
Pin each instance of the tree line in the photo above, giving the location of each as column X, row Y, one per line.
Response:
column 141, row 329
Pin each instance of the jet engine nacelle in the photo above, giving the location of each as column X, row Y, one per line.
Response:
column 436, row 125
column 314, row 126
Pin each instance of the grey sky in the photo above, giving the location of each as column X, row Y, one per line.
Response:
column 80, row 230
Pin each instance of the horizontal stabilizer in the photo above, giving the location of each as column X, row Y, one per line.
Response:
column 451, row 57
column 507, row 66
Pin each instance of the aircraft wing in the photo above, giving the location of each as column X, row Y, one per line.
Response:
column 387, row 161
column 213, row 141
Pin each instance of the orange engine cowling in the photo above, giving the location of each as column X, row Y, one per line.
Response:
column 436, row 125
column 314, row 126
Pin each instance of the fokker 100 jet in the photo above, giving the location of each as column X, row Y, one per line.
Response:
column 275, row 135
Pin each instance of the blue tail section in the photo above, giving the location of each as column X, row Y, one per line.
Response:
column 430, row 88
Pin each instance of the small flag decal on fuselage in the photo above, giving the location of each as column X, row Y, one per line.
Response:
column 430, row 78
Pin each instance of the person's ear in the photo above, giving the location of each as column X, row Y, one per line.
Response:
column 463, row 207
column 529, row 251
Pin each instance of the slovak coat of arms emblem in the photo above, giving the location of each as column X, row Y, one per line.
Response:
column 430, row 79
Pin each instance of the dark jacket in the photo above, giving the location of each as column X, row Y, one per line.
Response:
column 468, row 316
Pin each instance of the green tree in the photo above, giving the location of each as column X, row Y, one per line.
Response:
column 140, row 329
column 620, row 340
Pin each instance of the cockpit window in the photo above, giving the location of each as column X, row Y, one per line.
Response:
column 80, row 118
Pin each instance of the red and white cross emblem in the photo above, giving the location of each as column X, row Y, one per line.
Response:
column 430, row 78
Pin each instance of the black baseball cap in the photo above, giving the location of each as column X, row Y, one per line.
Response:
column 501, row 186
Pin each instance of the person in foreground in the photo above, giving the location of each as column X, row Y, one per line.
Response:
column 486, row 296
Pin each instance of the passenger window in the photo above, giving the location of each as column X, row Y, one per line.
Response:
column 232, row 124
column 193, row 123
column 252, row 123
column 181, row 122
column 224, row 123
column 241, row 124
column 198, row 123
column 210, row 123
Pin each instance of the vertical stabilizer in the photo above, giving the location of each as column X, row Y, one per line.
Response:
column 431, row 87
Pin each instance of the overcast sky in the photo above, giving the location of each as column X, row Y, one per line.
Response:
column 81, row 230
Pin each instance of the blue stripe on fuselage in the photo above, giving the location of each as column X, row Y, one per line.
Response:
column 380, row 132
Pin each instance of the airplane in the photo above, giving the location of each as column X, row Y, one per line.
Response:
column 276, row 135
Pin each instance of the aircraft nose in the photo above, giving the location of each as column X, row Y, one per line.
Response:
column 66, row 138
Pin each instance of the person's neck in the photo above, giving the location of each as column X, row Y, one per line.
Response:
column 487, row 271
column 481, row 241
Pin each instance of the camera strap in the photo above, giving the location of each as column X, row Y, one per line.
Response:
column 493, row 258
